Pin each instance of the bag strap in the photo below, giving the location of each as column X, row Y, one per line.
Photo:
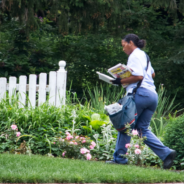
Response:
column 139, row 83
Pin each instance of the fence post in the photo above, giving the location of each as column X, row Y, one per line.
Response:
column 22, row 90
column 32, row 91
column 3, row 82
column 42, row 88
column 61, row 84
column 52, row 88
column 12, row 87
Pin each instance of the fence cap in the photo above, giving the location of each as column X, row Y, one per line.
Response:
column 62, row 65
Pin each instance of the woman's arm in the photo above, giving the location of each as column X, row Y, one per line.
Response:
column 153, row 75
column 131, row 79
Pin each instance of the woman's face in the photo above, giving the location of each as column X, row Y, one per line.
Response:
column 127, row 47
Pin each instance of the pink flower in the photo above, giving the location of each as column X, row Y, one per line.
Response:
column 137, row 151
column 18, row 134
column 134, row 132
column 54, row 143
column 76, row 137
column 60, row 139
column 128, row 145
column 126, row 153
column 17, row 129
column 88, row 156
column 69, row 137
column 83, row 141
column 71, row 142
column 87, row 151
column 91, row 147
column 14, row 127
column 93, row 143
column 75, row 143
column 84, row 150
column 63, row 154
column 136, row 146
column 67, row 133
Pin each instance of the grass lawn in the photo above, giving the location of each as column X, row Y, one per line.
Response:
column 34, row 169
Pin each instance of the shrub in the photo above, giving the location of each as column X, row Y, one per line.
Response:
column 105, row 143
column 174, row 137
column 76, row 146
column 9, row 141
column 138, row 153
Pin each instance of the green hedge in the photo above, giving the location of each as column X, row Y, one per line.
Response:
column 174, row 138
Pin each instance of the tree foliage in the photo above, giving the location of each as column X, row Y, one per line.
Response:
column 81, row 16
column 171, row 5
column 35, row 35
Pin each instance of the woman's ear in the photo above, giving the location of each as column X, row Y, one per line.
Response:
column 131, row 43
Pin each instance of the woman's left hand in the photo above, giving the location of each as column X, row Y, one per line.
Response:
column 116, row 81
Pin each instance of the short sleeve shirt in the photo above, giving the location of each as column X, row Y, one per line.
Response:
column 137, row 61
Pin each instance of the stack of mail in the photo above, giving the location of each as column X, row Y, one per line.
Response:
column 113, row 108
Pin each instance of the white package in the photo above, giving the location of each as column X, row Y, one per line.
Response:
column 113, row 108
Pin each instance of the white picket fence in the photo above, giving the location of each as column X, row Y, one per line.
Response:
column 56, row 87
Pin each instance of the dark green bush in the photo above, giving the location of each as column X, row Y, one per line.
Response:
column 174, row 138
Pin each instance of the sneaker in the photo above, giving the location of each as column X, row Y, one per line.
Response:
column 111, row 162
column 168, row 162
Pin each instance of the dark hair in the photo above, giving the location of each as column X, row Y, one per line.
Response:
column 135, row 39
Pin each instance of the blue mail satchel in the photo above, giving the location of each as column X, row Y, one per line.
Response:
column 128, row 113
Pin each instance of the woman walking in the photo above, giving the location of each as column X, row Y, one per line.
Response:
column 146, row 100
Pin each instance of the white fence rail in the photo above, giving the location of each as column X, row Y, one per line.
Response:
column 56, row 87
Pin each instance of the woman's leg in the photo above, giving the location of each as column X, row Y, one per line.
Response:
column 146, row 103
column 120, row 149
column 151, row 140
